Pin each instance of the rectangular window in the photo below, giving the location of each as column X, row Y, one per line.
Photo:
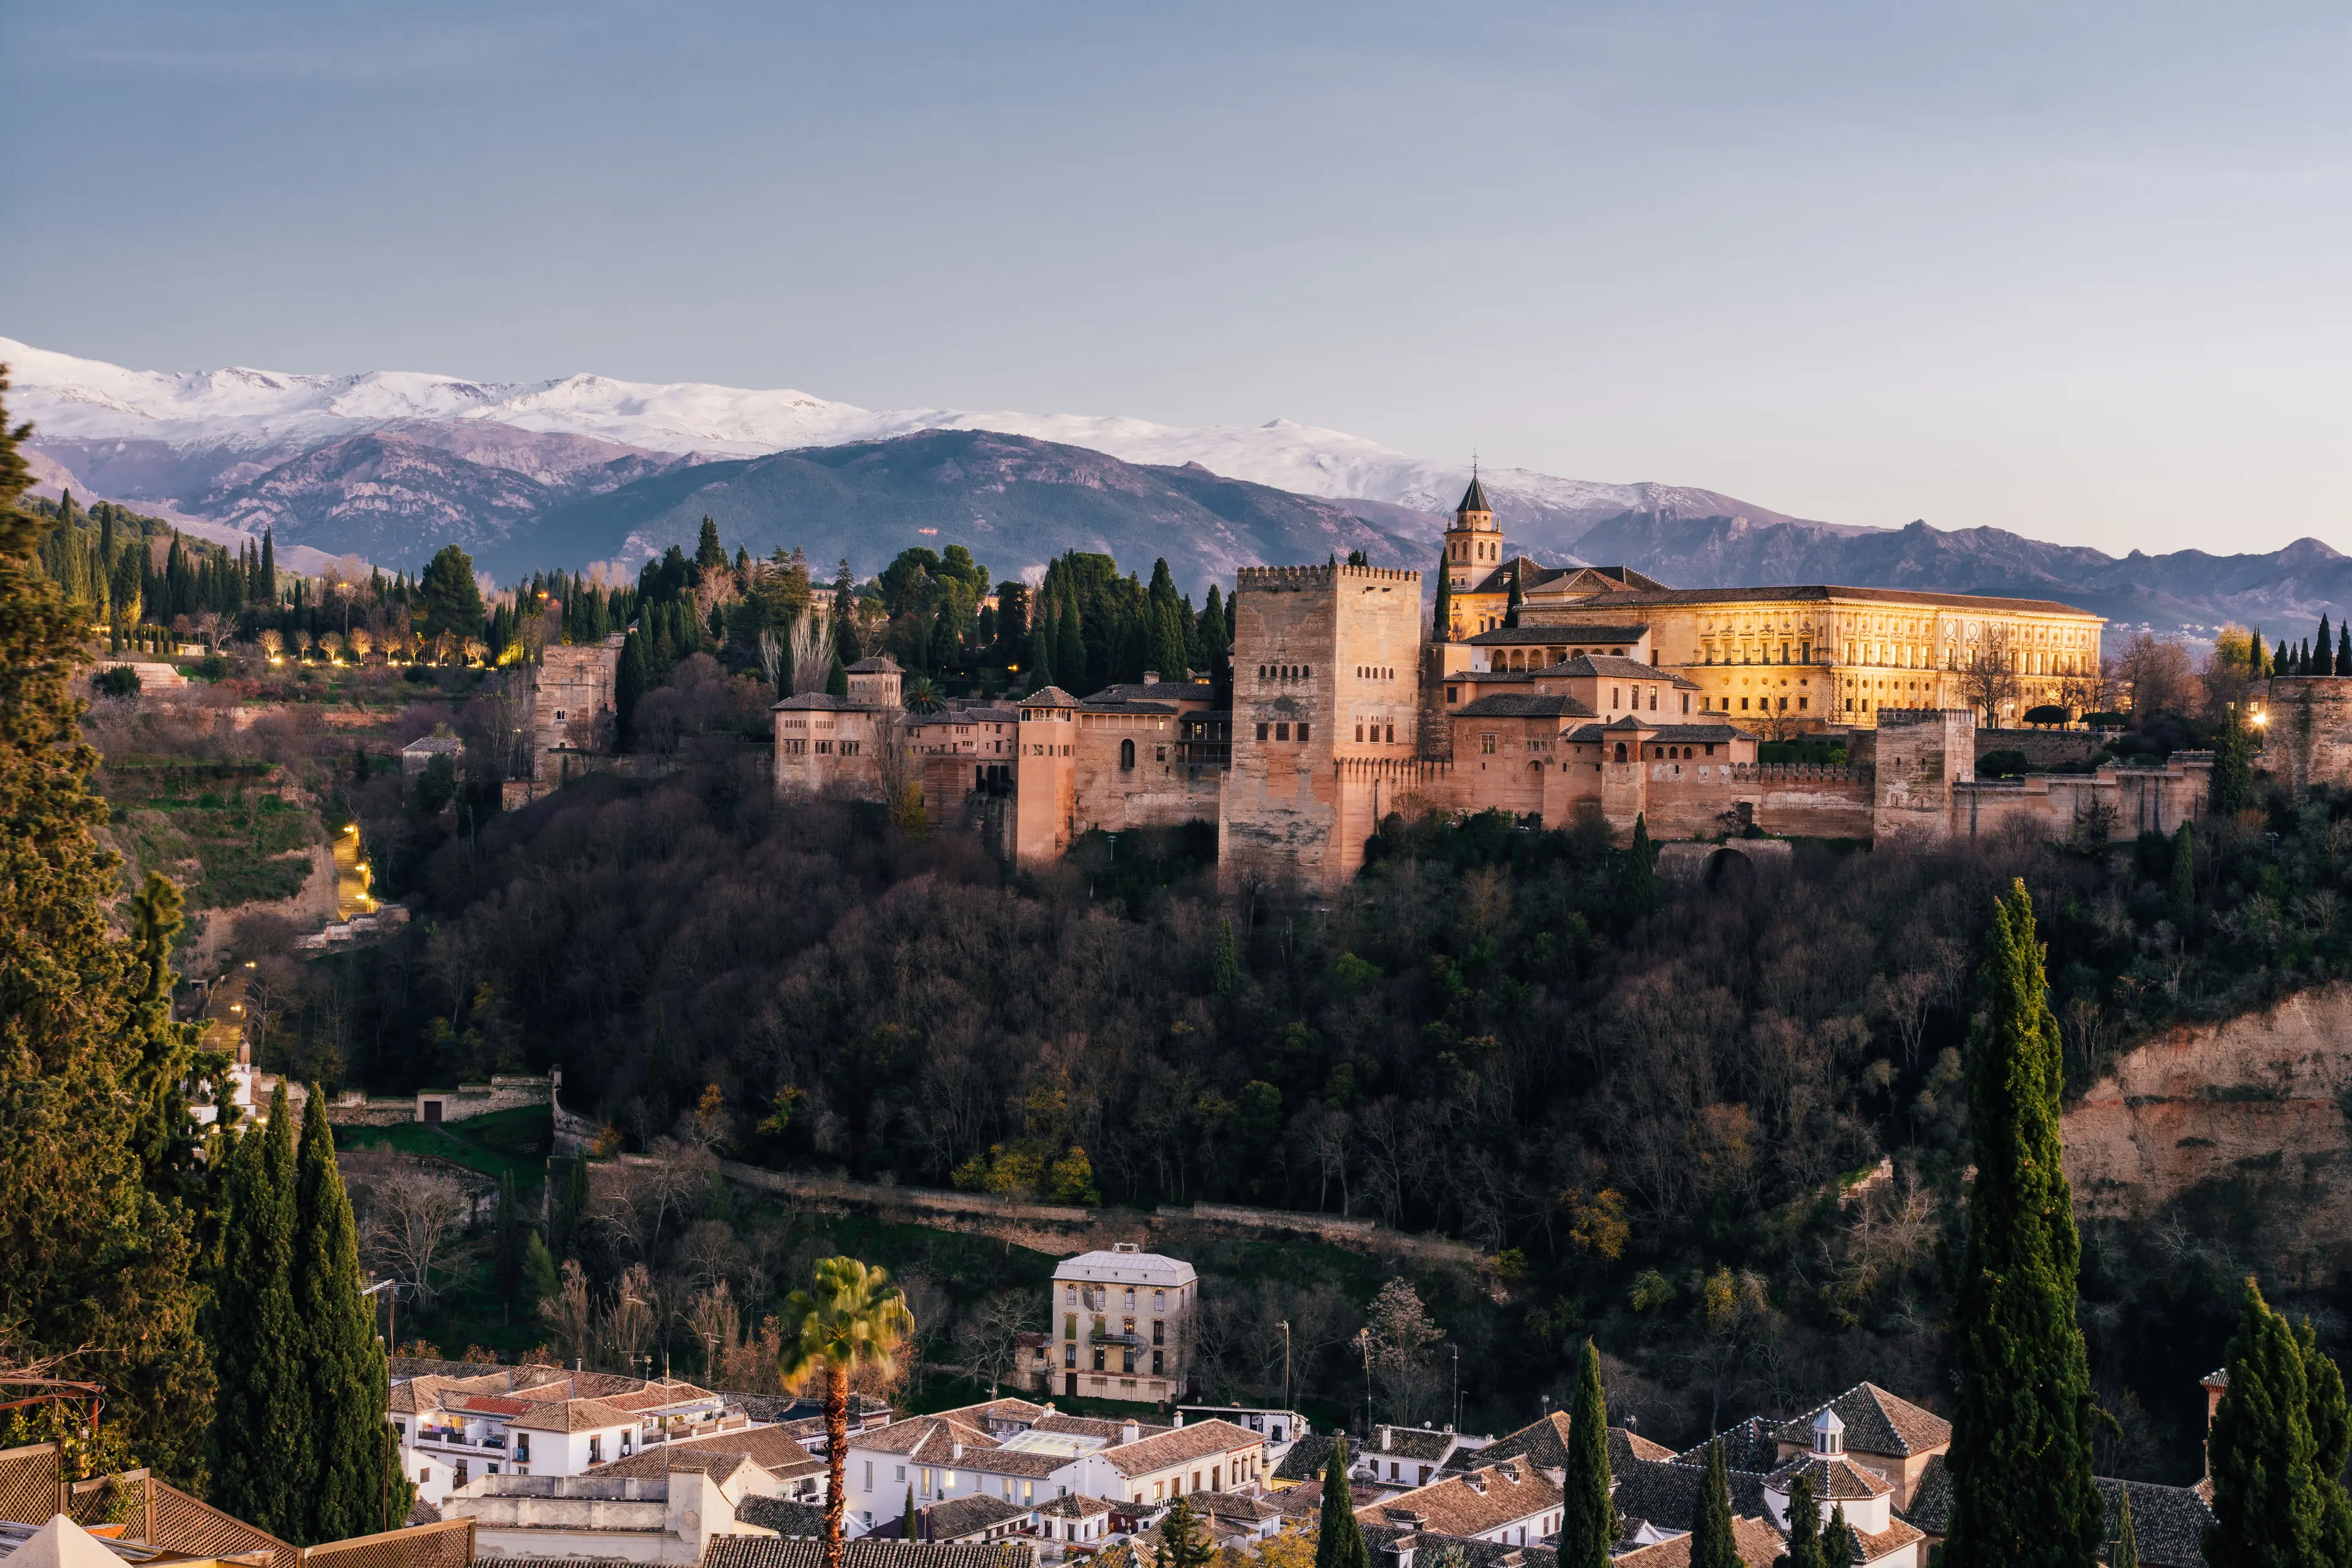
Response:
column 595, row 1451
column 1685, row 701
column 1282, row 732
column 1360, row 732
column 1159, row 1368
column 1743, row 705
column 458, row 1474
column 1302, row 734
column 1487, row 745
column 1159, row 1300
column 1159, row 1332
column 869, row 1475
column 1069, row 1325
column 1261, row 731
column 1800, row 703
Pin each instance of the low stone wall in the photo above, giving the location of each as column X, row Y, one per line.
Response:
column 467, row 1100
column 1687, row 861
column 2042, row 748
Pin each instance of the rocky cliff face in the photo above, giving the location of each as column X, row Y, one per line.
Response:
column 2236, row 1131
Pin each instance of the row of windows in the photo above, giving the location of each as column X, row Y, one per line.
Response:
column 1286, row 672
column 1745, row 652
column 1374, row 672
column 1282, row 732
column 824, row 747
column 1127, row 755
column 1376, row 733
column 1096, row 1295
column 1764, row 704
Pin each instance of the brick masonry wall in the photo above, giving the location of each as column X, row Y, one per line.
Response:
column 2308, row 740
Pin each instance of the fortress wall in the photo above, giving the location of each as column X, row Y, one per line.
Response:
column 2308, row 740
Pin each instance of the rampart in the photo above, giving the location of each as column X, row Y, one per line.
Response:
column 2307, row 732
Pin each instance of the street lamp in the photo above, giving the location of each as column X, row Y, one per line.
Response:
column 1364, row 1343
column 1285, row 1363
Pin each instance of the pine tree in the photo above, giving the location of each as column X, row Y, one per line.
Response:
column 2268, row 1509
column 263, row 1454
column 2125, row 1553
column 844, row 616
column 447, row 598
column 1588, row 1516
column 1183, row 1539
column 342, row 1366
column 540, row 1279
column 89, row 1256
column 1713, row 1545
column 1804, row 1528
column 708, row 553
column 1339, row 1543
column 2021, row 1455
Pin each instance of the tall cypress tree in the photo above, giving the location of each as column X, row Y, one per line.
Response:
column 2184, row 876
column 1339, row 1543
column 907, row 1525
column 1713, row 1545
column 89, row 1257
column 1070, row 671
column 2344, row 647
column 1045, row 634
column 2125, row 1553
column 1838, row 1545
column 2268, row 1508
column 2331, row 1445
column 2020, row 1456
column 263, row 1456
column 1442, row 623
column 629, row 683
column 1588, row 1514
column 1641, row 873
column 1804, row 1528
column 343, row 1367
column 1511, row 609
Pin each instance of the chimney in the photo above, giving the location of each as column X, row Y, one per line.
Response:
column 955, row 1452
column 1388, row 1439
column 1179, row 1418
column 1151, row 677
column 1131, row 1433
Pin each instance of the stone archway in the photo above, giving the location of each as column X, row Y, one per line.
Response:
column 1727, row 871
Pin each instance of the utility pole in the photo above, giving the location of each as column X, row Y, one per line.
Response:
column 1285, row 1363
column 1364, row 1343
column 1457, row 1387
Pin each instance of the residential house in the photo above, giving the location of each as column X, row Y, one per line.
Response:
column 665, row 1510
column 780, row 1551
column 540, row 1421
column 1125, row 1321
column 1206, row 1456
column 1404, row 1457
column 1512, row 1504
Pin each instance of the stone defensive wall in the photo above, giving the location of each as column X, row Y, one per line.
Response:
column 2308, row 737
column 1279, row 579
column 353, row 1108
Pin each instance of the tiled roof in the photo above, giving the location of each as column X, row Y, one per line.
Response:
column 1110, row 1267
column 876, row 664
column 574, row 1415
column 1232, row 1506
column 817, row 702
column 1302, row 1501
column 774, row 1449
column 1200, row 1440
column 1091, row 1426
column 1893, row 1538
column 758, row 1551
column 1664, row 734
column 1304, row 1459
column 1049, row 697
column 797, row 1521
column 1876, row 1422
column 1823, row 592
column 1544, row 1444
column 1566, row 635
column 2168, row 1522
column 1523, row 705
column 1835, row 1477
column 965, row 1515
column 1472, row 1502
column 1154, row 692
column 1749, row 1446
column 1759, row 1545
column 1408, row 1443
column 1665, row 1491
column 1428, row 1545
column 925, row 1437
column 1074, row 1505
column 1607, row 667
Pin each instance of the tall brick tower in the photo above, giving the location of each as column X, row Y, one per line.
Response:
column 1326, row 714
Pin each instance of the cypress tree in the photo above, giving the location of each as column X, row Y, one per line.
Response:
column 2125, row 1553
column 1511, row 609
column 1641, row 873
column 2230, row 788
column 1070, row 671
column 946, row 649
column 2022, row 1494
column 1804, row 1528
column 1225, row 969
column 1183, row 1540
column 2323, row 648
column 2268, row 1508
column 1044, row 632
column 1588, row 1514
column 1217, row 645
column 1713, row 1545
column 1167, row 653
column 264, row 1460
column 2331, row 1445
column 844, row 616
column 1339, row 1543
column 2344, row 647
column 89, row 1254
column 2279, row 665
column 2184, row 876
column 1838, row 1545
column 907, row 1520
column 837, row 680
column 629, row 684
column 540, row 1279
column 343, row 1367
column 1442, row 624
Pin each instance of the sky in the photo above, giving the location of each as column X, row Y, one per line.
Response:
column 2074, row 271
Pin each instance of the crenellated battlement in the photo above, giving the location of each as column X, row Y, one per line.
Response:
column 1294, row 579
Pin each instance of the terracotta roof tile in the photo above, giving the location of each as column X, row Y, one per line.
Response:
column 1876, row 1422
column 1470, row 1503
column 1200, row 1440
column 758, row 1551
column 1759, row 1545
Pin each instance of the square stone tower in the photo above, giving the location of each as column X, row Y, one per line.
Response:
column 1922, row 752
column 1327, row 673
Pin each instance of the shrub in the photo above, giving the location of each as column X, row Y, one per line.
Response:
column 2003, row 764
column 120, row 681
column 2048, row 713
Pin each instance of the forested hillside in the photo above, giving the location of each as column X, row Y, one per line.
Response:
column 1649, row 1102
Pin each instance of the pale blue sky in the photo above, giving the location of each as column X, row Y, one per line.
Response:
column 2076, row 271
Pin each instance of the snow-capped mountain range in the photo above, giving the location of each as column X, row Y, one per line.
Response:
column 258, row 417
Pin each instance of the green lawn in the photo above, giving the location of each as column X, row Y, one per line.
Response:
column 456, row 1143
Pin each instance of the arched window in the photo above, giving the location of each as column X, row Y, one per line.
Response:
column 1620, row 751
column 1126, row 755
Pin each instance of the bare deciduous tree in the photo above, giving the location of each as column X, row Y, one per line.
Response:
column 993, row 1330
column 412, row 1213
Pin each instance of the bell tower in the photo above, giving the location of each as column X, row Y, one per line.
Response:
column 1474, row 545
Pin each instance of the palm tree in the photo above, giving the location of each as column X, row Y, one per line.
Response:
column 922, row 696
column 854, row 1318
